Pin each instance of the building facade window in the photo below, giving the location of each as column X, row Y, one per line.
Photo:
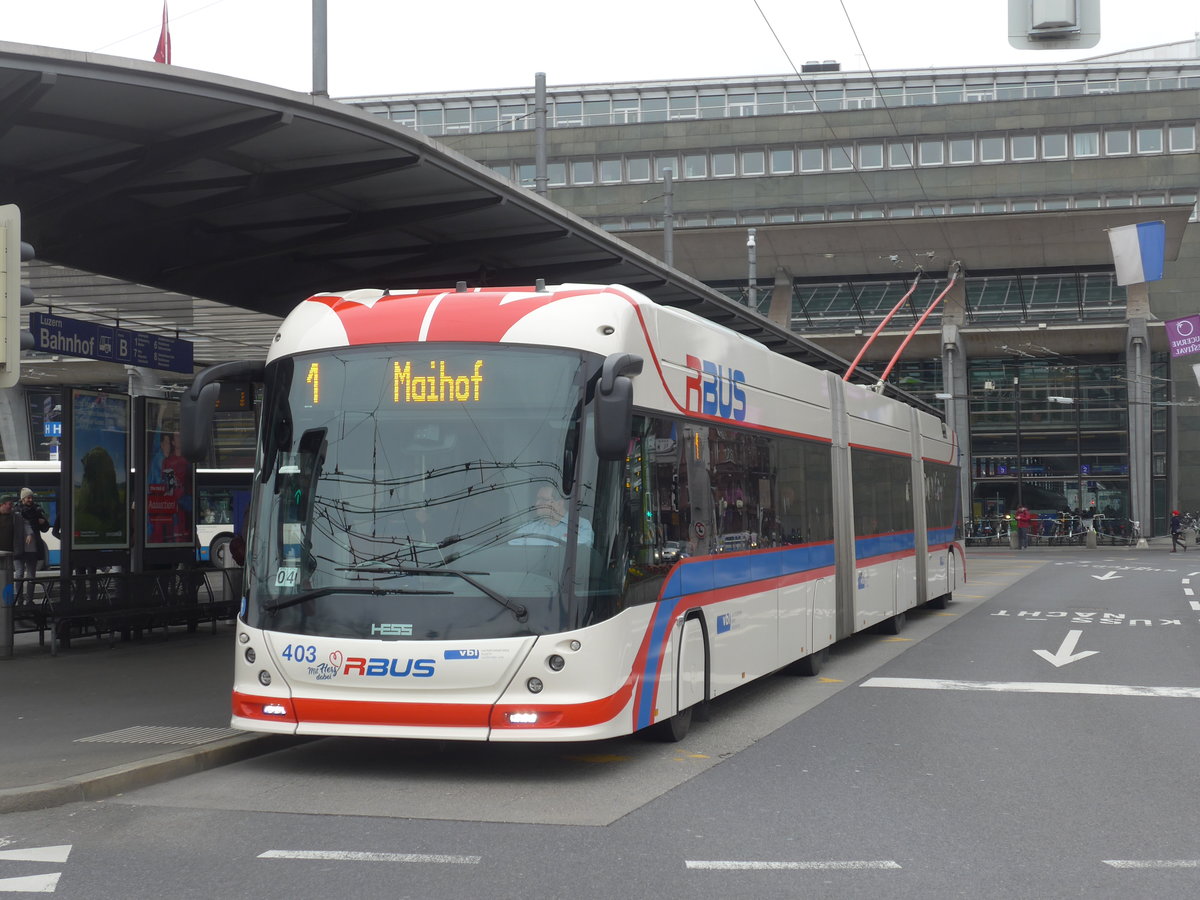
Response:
column 1117, row 142
column 724, row 165
column 1054, row 146
column 870, row 156
column 900, row 154
column 991, row 149
column 841, row 158
column 1086, row 143
column 962, row 151
column 931, row 153
column 754, row 162
column 1149, row 140
column 1182, row 138
column 1023, row 147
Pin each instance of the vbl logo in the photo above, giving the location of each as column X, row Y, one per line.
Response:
column 718, row 391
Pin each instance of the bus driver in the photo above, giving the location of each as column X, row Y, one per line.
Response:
column 550, row 509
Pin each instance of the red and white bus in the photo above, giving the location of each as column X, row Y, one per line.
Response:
column 561, row 513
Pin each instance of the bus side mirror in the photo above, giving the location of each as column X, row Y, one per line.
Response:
column 614, row 405
column 200, row 400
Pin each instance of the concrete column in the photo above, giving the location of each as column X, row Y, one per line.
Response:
column 1137, row 377
column 14, row 423
column 958, row 419
column 780, row 311
column 954, row 383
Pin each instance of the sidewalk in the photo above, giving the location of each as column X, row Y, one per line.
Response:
column 108, row 716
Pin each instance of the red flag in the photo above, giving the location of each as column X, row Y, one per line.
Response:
column 163, row 53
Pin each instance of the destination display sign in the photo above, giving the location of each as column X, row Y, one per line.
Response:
column 108, row 343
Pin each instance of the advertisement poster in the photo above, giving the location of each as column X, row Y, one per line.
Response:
column 170, row 479
column 1184, row 336
column 99, row 470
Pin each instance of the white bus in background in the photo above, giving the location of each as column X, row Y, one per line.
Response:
column 222, row 498
column 473, row 502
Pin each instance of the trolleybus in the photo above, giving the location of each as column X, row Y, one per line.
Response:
column 561, row 513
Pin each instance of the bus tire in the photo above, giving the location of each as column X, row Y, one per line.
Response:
column 894, row 625
column 809, row 665
column 672, row 730
column 940, row 602
column 218, row 550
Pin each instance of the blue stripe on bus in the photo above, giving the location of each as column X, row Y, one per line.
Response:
column 940, row 535
column 699, row 576
column 884, row 545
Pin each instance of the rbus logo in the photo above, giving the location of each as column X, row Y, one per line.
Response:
column 378, row 667
column 716, row 389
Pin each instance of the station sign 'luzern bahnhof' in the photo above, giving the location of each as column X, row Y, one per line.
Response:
column 91, row 340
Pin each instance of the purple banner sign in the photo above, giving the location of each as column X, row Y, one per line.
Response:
column 1184, row 335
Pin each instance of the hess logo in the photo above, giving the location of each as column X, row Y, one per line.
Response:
column 715, row 390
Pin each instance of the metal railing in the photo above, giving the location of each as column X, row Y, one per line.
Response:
column 1053, row 531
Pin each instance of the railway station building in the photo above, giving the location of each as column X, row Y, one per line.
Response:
column 817, row 198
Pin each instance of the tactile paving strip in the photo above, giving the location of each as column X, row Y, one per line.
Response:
column 160, row 734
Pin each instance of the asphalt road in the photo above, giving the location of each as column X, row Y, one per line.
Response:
column 1036, row 739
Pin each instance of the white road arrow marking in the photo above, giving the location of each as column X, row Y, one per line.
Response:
column 31, row 884
column 39, row 854
column 1107, row 577
column 1066, row 653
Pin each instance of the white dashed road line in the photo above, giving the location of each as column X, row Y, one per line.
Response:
column 362, row 856
column 1036, row 687
column 823, row 865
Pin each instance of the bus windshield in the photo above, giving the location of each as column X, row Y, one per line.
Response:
column 428, row 492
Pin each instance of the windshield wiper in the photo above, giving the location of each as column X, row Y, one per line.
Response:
column 516, row 608
column 344, row 589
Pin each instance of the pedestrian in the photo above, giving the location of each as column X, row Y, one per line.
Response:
column 1024, row 523
column 1177, row 531
column 29, row 548
column 8, row 521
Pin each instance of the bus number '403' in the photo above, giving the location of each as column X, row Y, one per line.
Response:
column 306, row 653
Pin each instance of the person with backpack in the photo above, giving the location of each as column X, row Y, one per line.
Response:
column 1177, row 529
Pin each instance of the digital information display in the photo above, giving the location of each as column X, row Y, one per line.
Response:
column 441, row 385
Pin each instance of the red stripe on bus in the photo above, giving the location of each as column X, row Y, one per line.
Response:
column 568, row 715
column 391, row 712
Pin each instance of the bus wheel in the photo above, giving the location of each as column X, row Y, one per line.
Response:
column 940, row 602
column 672, row 730
column 894, row 625
column 218, row 550
column 809, row 665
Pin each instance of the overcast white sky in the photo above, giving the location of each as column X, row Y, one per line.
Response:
column 382, row 47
